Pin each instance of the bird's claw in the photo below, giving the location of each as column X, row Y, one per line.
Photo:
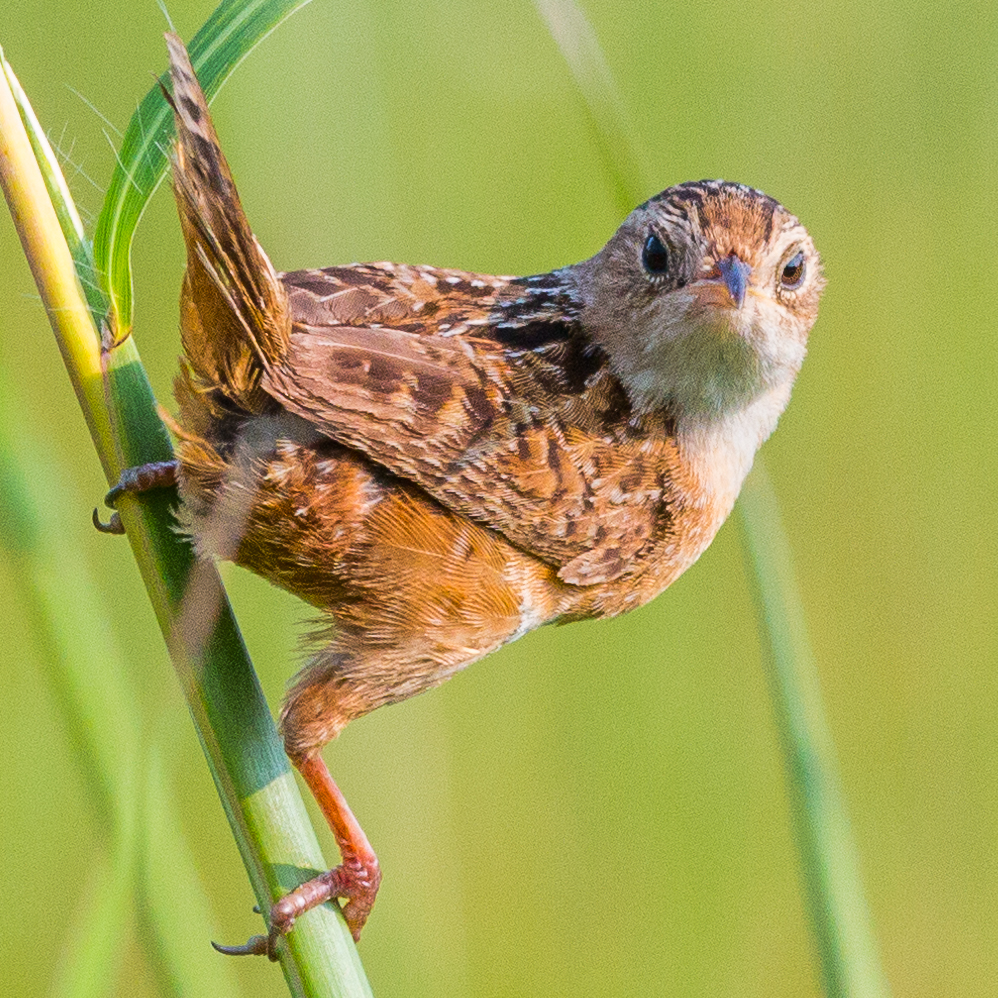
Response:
column 143, row 478
column 254, row 946
column 358, row 883
column 113, row 525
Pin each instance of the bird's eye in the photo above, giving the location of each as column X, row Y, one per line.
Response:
column 655, row 256
column 793, row 272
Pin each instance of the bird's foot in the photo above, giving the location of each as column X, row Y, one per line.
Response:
column 144, row 478
column 355, row 880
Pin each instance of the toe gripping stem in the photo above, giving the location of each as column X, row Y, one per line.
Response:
column 356, row 879
column 134, row 481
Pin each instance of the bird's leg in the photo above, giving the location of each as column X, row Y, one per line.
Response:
column 356, row 878
column 143, row 478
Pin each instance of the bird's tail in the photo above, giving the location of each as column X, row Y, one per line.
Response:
column 235, row 317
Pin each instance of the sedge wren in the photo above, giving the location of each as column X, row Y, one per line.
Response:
column 443, row 461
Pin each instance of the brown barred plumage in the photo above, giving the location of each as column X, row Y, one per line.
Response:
column 442, row 461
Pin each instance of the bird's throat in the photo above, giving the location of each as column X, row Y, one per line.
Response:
column 719, row 449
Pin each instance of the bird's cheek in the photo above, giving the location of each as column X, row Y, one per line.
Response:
column 777, row 342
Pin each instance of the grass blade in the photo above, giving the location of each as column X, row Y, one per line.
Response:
column 840, row 918
column 234, row 29
column 833, row 884
column 69, row 219
column 237, row 733
column 603, row 106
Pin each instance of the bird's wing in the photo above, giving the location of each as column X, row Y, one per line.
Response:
column 518, row 427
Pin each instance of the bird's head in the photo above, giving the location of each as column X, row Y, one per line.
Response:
column 703, row 299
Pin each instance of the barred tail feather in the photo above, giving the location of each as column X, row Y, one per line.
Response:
column 235, row 316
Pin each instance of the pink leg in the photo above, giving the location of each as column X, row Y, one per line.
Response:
column 356, row 878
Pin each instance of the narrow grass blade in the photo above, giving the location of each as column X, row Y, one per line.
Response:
column 602, row 103
column 47, row 250
column 839, row 914
column 227, row 37
column 848, row 952
column 69, row 219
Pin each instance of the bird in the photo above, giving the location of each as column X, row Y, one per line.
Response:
column 442, row 461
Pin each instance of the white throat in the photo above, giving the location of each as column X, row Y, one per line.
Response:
column 725, row 375
column 720, row 447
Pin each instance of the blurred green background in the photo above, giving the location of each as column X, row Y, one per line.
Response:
column 599, row 809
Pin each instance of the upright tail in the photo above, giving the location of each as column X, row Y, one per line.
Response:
column 235, row 318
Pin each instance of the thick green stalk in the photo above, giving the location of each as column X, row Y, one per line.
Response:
column 244, row 752
column 94, row 690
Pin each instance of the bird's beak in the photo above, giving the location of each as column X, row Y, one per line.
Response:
column 735, row 274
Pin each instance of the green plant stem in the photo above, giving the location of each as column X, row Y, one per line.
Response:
column 99, row 708
column 846, row 944
column 244, row 752
column 833, row 884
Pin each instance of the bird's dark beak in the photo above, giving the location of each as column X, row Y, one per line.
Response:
column 735, row 274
